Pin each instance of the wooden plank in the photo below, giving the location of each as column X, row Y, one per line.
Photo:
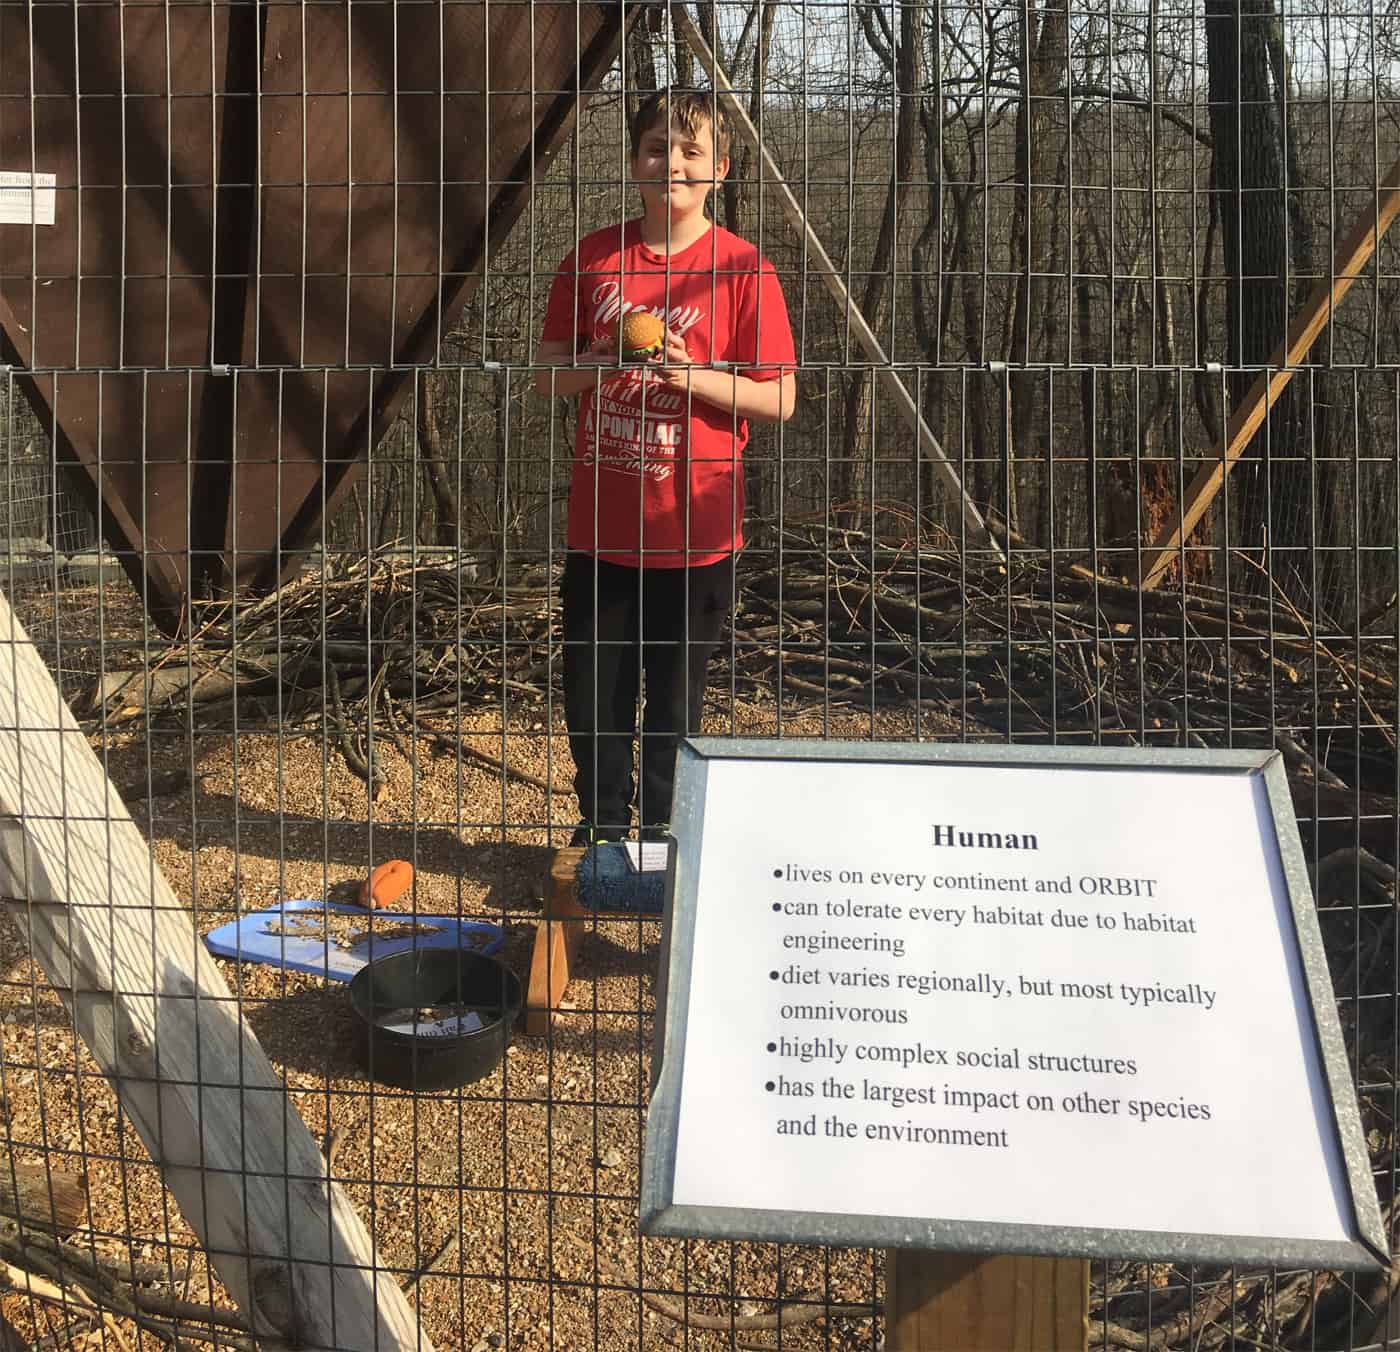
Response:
column 1352, row 255
column 556, row 942
column 952, row 1302
column 42, row 1195
column 549, row 975
column 161, row 1022
column 822, row 265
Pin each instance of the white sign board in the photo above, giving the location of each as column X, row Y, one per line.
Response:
column 27, row 199
column 912, row 999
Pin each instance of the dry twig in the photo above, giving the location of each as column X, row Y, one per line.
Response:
column 788, row 1315
column 1034, row 646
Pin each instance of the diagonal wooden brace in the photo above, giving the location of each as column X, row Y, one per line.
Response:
column 929, row 446
column 1352, row 255
column 123, row 953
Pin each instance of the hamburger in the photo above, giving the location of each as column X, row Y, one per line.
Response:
column 643, row 336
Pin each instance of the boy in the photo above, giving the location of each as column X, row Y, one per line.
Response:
column 657, row 496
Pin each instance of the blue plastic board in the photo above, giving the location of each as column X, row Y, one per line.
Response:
column 247, row 940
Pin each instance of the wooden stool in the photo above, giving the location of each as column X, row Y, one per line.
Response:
column 612, row 885
column 556, row 941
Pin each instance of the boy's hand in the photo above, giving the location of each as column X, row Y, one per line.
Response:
column 602, row 351
column 673, row 368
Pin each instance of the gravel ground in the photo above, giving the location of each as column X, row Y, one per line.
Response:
column 535, row 1168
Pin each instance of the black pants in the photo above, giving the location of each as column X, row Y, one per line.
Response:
column 618, row 623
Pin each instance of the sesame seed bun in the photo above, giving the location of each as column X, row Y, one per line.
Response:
column 643, row 335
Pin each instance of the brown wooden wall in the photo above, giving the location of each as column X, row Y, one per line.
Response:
column 311, row 191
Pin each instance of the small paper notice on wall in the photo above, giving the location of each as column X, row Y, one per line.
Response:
column 27, row 199
column 646, row 858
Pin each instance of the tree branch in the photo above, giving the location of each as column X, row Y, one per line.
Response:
column 881, row 47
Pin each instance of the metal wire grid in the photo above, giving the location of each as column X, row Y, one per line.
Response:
column 1130, row 362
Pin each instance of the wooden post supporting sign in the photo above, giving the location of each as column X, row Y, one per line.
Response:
column 956, row 1302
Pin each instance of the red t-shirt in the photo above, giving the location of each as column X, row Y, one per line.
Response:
column 658, row 475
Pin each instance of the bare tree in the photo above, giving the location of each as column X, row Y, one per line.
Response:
column 1248, row 186
column 902, row 57
column 1044, row 42
column 447, row 518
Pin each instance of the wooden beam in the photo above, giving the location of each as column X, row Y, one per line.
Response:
column 39, row 1194
column 929, row 446
column 123, row 953
column 1352, row 255
column 953, row 1302
column 556, row 942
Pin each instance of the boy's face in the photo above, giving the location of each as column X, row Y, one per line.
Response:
column 675, row 170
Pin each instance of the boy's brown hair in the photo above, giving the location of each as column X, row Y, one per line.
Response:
column 688, row 109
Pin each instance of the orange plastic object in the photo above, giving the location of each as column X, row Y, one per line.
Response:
column 386, row 884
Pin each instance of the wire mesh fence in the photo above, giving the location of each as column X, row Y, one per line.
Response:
column 284, row 515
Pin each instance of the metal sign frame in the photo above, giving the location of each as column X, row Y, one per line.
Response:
column 660, row 1216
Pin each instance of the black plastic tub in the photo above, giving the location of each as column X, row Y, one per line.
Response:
column 434, row 1018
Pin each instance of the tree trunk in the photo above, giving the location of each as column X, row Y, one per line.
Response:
column 684, row 59
column 1249, row 180
column 1044, row 51
column 735, row 188
column 1077, row 507
column 907, row 72
column 935, row 280
column 447, row 517
column 1158, row 490
column 502, row 532
column 388, row 473
column 641, row 67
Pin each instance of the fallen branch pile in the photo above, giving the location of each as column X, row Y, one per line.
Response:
column 1039, row 648
column 91, row 1291
column 1170, row 1307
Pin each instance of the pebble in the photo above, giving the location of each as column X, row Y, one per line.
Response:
column 612, row 1157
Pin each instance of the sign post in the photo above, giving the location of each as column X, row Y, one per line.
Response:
column 959, row 1000
column 957, row 1302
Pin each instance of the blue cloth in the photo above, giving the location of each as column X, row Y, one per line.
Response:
column 607, row 882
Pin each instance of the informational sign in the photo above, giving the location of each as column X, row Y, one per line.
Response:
column 27, row 199
column 1001, row 1000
